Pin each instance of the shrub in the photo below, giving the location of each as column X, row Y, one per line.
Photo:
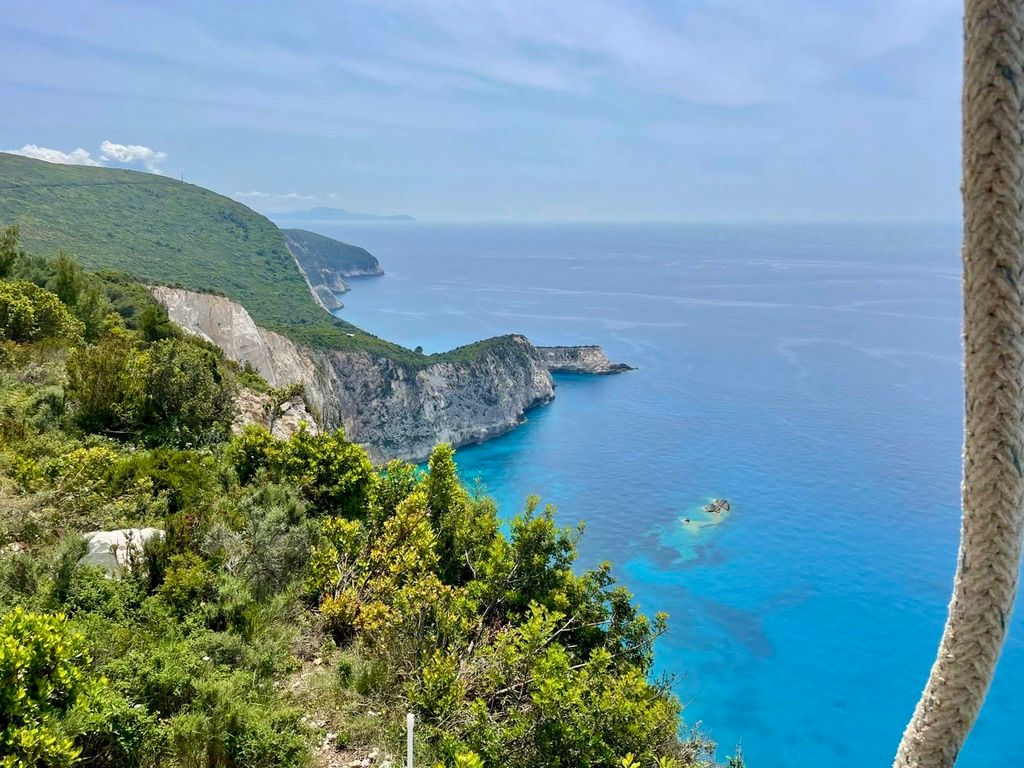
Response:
column 30, row 313
column 252, row 450
column 188, row 583
column 43, row 675
column 187, row 397
column 106, row 384
column 276, row 538
column 226, row 729
column 114, row 733
column 336, row 476
column 162, row 674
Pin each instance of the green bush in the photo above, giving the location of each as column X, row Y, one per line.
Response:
column 225, row 729
column 106, row 384
column 252, row 450
column 276, row 538
column 162, row 673
column 188, row 399
column 114, row 733
column 30, row 313
column 43, row 676
column 175, row 391
column 336, row 476
column 189, row 584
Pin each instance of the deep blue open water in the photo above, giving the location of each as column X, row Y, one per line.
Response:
column 810, row 374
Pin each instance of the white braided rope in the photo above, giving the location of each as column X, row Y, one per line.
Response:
column 993, row 481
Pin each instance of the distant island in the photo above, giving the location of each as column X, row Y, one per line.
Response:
column 336, row 214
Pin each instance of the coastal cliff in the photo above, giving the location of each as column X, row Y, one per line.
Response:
column 325, row 262
column 393, row 409
column 589, row 359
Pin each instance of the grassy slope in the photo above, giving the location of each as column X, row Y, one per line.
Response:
column 159, row 229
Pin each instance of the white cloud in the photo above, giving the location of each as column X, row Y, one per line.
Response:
column 131, row 153
column 74, row 157
column 109, row 152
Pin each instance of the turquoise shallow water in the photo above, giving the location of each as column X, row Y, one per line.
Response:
column 811, row 375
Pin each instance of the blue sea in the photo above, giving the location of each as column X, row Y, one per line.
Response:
column 809, row 374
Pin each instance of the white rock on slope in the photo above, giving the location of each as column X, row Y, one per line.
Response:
column 113, row 549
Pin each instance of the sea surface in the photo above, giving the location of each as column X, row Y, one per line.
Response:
column 809, row 374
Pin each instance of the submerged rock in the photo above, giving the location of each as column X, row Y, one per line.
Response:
column 583, row 359
column 717, row 506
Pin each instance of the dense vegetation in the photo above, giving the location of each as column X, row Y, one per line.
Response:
column 157, row 228
column 162, row 230
column 300, row 600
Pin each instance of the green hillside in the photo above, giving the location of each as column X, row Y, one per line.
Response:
column 155, row 228
column 162, row 230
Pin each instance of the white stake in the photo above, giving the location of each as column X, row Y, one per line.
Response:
column 410, row 720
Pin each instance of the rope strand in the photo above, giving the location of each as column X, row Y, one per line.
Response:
column 993, row 481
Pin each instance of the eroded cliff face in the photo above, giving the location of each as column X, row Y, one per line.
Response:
column 392, row 410
column 584, row 359
column 228, row 325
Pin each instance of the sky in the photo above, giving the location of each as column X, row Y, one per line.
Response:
column 464, row 110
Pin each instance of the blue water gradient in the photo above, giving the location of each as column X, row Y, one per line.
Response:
column 811, row 374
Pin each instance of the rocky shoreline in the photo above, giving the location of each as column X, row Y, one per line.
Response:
column 392, row 409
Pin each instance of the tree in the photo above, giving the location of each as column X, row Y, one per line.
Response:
column 9, row 250
column 67, row 283
column 92, row 309
column 447, row 501
column 186, row 393
column 154, row 324
column 465, row 526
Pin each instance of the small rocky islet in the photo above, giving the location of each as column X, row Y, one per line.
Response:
column 715, row 507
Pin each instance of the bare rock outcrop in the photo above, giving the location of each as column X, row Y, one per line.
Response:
column 282, row 420
column 113, row 550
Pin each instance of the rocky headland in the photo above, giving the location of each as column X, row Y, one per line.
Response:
column 589, row 359
column 325, row 262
